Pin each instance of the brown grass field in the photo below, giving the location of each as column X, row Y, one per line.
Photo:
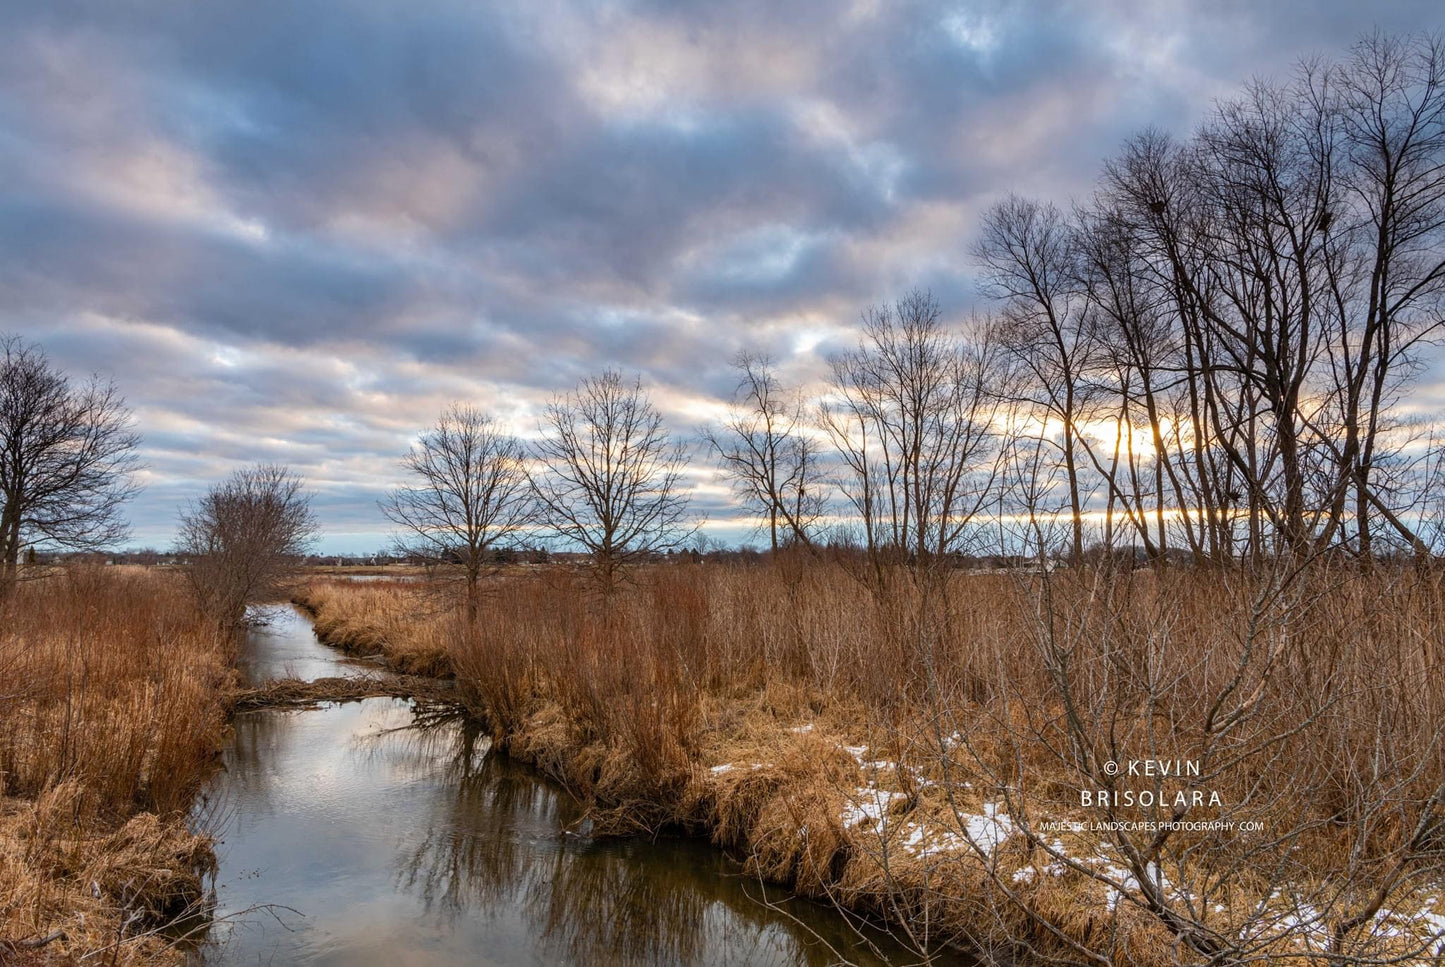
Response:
column 113, row 697
column 858, row 742
column 893, row 746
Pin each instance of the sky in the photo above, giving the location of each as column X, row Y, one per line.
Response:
column 294, row 230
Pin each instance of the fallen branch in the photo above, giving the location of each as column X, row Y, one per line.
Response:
column 295, row 693
column 33, row 943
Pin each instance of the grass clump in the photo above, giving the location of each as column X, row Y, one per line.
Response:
column 408, row 624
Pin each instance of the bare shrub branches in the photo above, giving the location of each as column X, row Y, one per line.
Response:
column 244, row 537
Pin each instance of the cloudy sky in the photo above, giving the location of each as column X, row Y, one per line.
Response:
column 294, row 230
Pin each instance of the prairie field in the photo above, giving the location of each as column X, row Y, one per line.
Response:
column 908, row 484
column 114, row 706
column 913, row 748
column 916, row 749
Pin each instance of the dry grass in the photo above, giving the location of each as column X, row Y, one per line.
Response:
column 408, row 624
column 113, row 701
column 845, row 746
column 403, row 571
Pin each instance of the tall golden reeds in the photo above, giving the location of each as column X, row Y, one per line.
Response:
column 113, row 709
column 847, row 737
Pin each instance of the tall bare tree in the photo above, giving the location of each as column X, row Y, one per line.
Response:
column 764, row 448
column 1027, row 253
column 1132, row 356
column 610, row 476
column 911, row 415
column 67, row 452
column 244, row 538
column 1290, row 259
column 1389, row 97
column 468, row 490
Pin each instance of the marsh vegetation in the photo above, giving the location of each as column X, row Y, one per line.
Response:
column 795, row 720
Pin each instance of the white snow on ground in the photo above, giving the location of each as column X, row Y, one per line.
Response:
column 1127, row 880
column 1424, row 927
column 1304, row 919
column 869, row 804
column 928, row 842
column 730, row 766
column 1434, row 923
column 989, row 829
column 1390, row 924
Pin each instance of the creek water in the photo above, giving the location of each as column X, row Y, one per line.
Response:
column 371, row 832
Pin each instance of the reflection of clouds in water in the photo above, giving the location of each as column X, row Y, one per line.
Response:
column 398, row 834
column 388, row 831
column 495, row 847
column 281, row 644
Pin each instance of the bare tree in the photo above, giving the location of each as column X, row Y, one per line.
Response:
column 911, row 416
column 610, row 479
column 1027, row 253
column 67, row 452
column 764, row 448
column 244, row 538
column 1390, row 100
column 1287, row 259
column 1133, row 352
column 468, row 490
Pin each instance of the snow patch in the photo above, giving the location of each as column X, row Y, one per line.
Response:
column 870, row 805
column 990, row 828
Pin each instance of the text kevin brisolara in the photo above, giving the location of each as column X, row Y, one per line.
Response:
column 1149, row 825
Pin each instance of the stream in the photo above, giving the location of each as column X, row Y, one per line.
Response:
column 371, row 832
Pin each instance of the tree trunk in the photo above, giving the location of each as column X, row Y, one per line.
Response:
column 1294, row 491
column 1075, row 504
column 9, row 548
column 471, row 596
column 1362, row 520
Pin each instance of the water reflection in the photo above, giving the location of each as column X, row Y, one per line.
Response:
column 368, row 578
column 497, row 846
column 399, row 838
column 407, row 842
column 281, row 644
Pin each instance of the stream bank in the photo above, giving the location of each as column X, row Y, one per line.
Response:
column 385, row 830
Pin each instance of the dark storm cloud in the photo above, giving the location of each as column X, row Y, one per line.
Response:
column 294, row 230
